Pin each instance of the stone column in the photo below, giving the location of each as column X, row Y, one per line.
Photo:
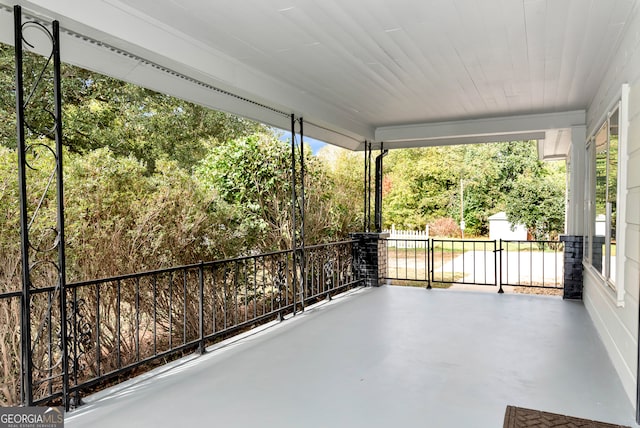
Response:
column 573, row 251
column 370, row 257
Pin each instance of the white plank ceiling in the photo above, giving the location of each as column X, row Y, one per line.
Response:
column 354, row 67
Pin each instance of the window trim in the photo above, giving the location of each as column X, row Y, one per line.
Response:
column 616, row 290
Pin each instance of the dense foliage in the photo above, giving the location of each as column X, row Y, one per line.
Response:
column 150, row 180
column 100, row 111
column 254, row 175
column 423, row 185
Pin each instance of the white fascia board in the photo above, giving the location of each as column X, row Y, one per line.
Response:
column 476, row 139
column 490, row 128
column 328, row 135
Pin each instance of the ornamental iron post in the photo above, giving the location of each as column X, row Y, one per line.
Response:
column 25, row 329
column 367, row 186
column 378, row 189
column 297, row 212
column 39, row 146
column 364, row 189
column 294, row 198
column 302, row 253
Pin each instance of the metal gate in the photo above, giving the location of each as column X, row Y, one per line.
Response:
column 464, row 262
column 492, row 263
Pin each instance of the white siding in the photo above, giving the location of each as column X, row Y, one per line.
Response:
column 618, row 324
column 624, row 68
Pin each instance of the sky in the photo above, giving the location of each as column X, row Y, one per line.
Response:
column 311, row 142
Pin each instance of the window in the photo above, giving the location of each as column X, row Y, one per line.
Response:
column 601, row 209
column 589, row 216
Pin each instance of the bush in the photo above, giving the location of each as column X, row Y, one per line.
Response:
column 253, row 175
column 444, row 227
column 120, row 218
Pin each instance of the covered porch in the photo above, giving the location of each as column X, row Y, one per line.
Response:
column 387, row 356
column 367, row 76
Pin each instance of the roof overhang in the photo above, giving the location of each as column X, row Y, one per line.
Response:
column 552, row 130
column 407, row 75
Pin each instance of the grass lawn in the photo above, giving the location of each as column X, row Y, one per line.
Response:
column 410, row 283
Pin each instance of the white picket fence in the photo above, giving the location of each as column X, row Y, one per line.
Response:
column 407, row 238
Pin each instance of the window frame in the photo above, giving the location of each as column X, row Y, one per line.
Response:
column 603, row 268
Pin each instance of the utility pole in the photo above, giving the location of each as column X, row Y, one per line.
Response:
column 462, row 207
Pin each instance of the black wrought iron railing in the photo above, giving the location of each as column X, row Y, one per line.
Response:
column 408, row 260
column 441, row 262
column 536, row 264
column 10, row 353
column 122, row 325
column 464, row 261
column 330, row 270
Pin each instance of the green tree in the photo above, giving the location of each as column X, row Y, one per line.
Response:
column 99, row 111
column 254, row 175
column 426, row 184
column 345, row 171
column 420, row 186
column 7, row 97
column 537, row 201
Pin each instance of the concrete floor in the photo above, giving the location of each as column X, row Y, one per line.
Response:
column 390, row 356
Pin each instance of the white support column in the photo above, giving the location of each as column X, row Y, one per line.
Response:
column 577, row 171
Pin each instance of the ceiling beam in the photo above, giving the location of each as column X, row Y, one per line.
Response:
column 508, row 128
column 452, row 141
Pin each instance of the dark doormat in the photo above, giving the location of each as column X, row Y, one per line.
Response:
column 518, row 417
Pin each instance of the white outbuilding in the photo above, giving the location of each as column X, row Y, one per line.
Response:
column 501, row 228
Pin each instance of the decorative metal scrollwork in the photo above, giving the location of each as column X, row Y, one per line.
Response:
column 346, row 270
column 280, row 281
column 39, row 140
column 80, row 334
column 359, row 265
column 299, row 278
column 329, row 270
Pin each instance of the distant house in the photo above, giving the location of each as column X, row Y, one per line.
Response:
column 601, row 225
column 500, row 228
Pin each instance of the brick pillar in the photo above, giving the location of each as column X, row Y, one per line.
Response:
column 370, row 257
column 597, row 244
column 573, row 250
